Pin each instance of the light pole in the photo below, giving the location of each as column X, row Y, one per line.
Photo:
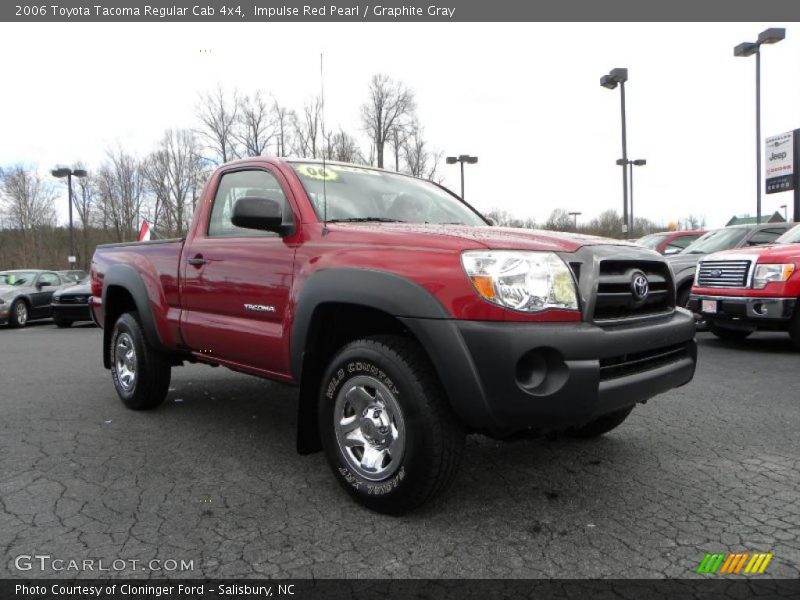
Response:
column 639, row 162
column 785, row 215
column 62, row 172
column 575, row 216
column 462, row 158
column 619, row 77
column 772, row 35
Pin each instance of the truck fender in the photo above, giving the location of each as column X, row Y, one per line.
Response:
column 387, row 292
column 415, row 308
column 126, row 277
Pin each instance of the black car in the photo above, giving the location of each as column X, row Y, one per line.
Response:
column 71, row 304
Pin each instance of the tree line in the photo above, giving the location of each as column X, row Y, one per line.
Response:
column 164, row 185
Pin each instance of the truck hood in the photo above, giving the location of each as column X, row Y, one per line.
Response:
column 505, row 238
column 773, row 253
column 681, row 262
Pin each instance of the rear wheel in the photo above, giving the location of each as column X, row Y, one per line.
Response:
column 388, row 432
column 141, row 374
column 19, row 314
column 724, row 333
column 601, row 425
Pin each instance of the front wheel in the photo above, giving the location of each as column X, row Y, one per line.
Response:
column 388, row 431
column 727, row 334
column 141, row 375
column 19, row 314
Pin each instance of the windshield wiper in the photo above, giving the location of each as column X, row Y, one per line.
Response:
column 365, row 220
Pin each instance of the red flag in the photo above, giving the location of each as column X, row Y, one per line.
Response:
column 144, row 231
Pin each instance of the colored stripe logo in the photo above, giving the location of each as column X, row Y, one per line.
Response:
column 735, row 563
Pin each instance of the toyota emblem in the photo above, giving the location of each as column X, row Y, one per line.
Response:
column 640, row 286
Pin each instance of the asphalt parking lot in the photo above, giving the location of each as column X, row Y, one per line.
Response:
column 212, row 477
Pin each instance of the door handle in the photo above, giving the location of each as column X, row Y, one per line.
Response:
column 197, row 261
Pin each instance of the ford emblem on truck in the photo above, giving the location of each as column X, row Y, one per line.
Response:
column 640, row 286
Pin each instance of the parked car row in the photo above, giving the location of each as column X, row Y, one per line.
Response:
column 740, row 291
column 684, row 262
column 32, row 294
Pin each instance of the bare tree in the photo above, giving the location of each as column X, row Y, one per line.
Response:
column 170, row 172
column 283, row 118
column 307, row 129
column 343, row 147
column 28, row 202
column 84, row 196
column 120, row 185
column 218, row 115
column 693, row 222
column 398, row 136
column 255, row 127
column 420, row 160
column 391, row 104
column 560, row 220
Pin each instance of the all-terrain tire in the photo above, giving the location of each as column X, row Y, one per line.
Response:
column 387, row 429
column 140, row 373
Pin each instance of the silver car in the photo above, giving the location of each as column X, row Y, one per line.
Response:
column 25, row 295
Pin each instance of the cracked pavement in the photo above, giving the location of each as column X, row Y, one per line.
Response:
column 212, row 477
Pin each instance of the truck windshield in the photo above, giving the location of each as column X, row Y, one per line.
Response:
column 715, row 241
column 363, row 194
column 652, row 241
column 790, row 237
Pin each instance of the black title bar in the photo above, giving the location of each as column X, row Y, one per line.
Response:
column 398, row 10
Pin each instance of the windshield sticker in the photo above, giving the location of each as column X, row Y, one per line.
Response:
column 317, row 172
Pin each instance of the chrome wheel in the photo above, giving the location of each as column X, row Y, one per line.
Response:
column 369, row 428
column 125, row 362
column 21, row 314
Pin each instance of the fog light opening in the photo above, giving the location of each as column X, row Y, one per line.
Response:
column 541, row 372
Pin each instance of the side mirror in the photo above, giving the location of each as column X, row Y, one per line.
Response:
column 42, row 284
column 252, row 212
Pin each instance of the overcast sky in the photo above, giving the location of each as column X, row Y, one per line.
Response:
column 523, row 97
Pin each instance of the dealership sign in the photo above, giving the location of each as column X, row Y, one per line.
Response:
column 780, row 163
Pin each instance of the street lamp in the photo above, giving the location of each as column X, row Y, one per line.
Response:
column 619, row 77
column 60, row 173
column 575, row 216
column 772, row 35
column 785, row 215
column 639, row 162
column 461, row 158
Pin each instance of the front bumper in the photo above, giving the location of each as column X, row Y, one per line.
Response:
column 506, row 377
column 743, row 312
column 71, row 312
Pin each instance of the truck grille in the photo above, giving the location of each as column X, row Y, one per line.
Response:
column 74, row 299
column 630, row 364
column 616, row 297
column 723, row 273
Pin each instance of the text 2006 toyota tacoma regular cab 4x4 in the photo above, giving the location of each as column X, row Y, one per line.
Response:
column 403, row 316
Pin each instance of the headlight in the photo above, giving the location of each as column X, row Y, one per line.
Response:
column 524, row 281
column 768, row 273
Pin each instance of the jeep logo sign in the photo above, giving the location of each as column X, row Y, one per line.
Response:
column 779, row 162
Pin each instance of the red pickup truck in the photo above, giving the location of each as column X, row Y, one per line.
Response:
column 741, row 291
column 404, row 317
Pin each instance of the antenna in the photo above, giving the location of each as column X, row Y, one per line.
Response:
column 324, row 169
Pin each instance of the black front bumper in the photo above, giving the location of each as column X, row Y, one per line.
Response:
column 506, row 377
column 747, row 313
column 71, row 312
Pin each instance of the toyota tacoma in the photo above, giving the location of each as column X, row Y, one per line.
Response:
column 404, row 317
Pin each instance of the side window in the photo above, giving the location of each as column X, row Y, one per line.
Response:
column 237, row 185
column 49, row 279
column 765, row 236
